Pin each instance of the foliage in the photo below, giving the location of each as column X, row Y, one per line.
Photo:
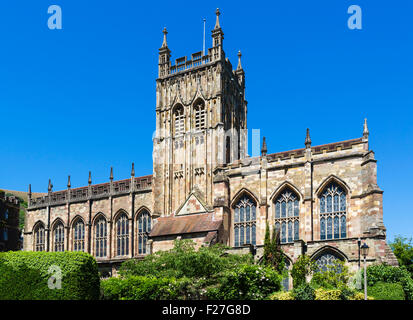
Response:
column 273, row 255
column 390, row 274
column 327, row 294
column 184, row 261
column 360, row 296
column 246, row 282
column 302, row 268
column 142, row 288
column 25, row 275
column 282, row 295
column 304, row 292
column 386, row 291
column 336, row 276
column 403, row 250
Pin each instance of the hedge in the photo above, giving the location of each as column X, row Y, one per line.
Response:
column 25, row 276
column 390, row 274
column 386, row 291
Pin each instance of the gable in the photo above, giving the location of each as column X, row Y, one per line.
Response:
column 191, row 205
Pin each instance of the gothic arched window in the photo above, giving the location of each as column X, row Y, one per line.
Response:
column 39, row 239
column 122, row 235
column 79, row 236
column 200, row 116
column 179, row 120
column 333, row 210
column 59, row 237
column 245, row 222
column 100, row 237
column 144, row 227
column 326, row 262
column 287, row 211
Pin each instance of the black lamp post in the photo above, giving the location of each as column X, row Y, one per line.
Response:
column 365, row 251
column 359, row 245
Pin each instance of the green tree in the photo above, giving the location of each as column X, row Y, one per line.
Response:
column 273, row 255
column 403, row 250
column 302, row 268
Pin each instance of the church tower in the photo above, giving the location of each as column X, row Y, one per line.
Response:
column 201, row 122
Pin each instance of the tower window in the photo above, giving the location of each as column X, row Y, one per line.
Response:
column 179, row 120
column 200, row 116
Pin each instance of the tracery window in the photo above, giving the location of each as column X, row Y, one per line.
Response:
column 200, row 116
column 326, row 262
column 287, row 211
column 79, row 236
column 122, row 235
column 39, row 239
column 144, row 227
column 179, row 120
column 245, row 222
column 100, row 237
column 59, row 237
column 333, row 211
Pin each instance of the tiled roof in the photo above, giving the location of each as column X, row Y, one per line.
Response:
column 195, row 223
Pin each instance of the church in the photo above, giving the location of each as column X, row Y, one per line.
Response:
column 323, row 199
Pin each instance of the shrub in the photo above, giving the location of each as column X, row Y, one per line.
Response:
column 360, row 296
column 327, row 294
column 304, row 292
column 302, row 268
column 335, row 276
column 386, row 291
column 281, row 295
column 246, row 282
column 184, row 261
column 273, row 255
column 390, row 274
column 140, row 288
column 25, row 276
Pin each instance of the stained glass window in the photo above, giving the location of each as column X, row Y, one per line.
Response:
column 287, row 211
column 122, row 235
column 144, row 227
column 245, row 224
column 101, row 237
column 59, row 237
column 79, row 236
column 333, row 212
column 325, row 261
column 39, row 239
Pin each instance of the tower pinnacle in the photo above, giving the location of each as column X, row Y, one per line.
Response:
column 164, row 43
column 365, row 129
column 264, row 147
column 308, row 139
column 217, row 26
column 239, row 67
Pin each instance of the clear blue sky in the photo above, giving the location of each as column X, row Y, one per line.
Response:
column 83, row 98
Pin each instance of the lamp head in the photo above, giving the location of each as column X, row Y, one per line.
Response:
column 364, row 249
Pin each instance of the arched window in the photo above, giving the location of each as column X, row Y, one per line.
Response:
column 79, row 236
column 287, row 211
column 39, row 239
column 59, row 237
column 326, row 261
column 245, row 222
column 144, row 227
column 286, row 281
column 333, row 211
column 200, row 115
column 122, row 235
column 100, row 237
column 179, row 120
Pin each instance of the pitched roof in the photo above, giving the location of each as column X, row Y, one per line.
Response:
column 195, row 223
